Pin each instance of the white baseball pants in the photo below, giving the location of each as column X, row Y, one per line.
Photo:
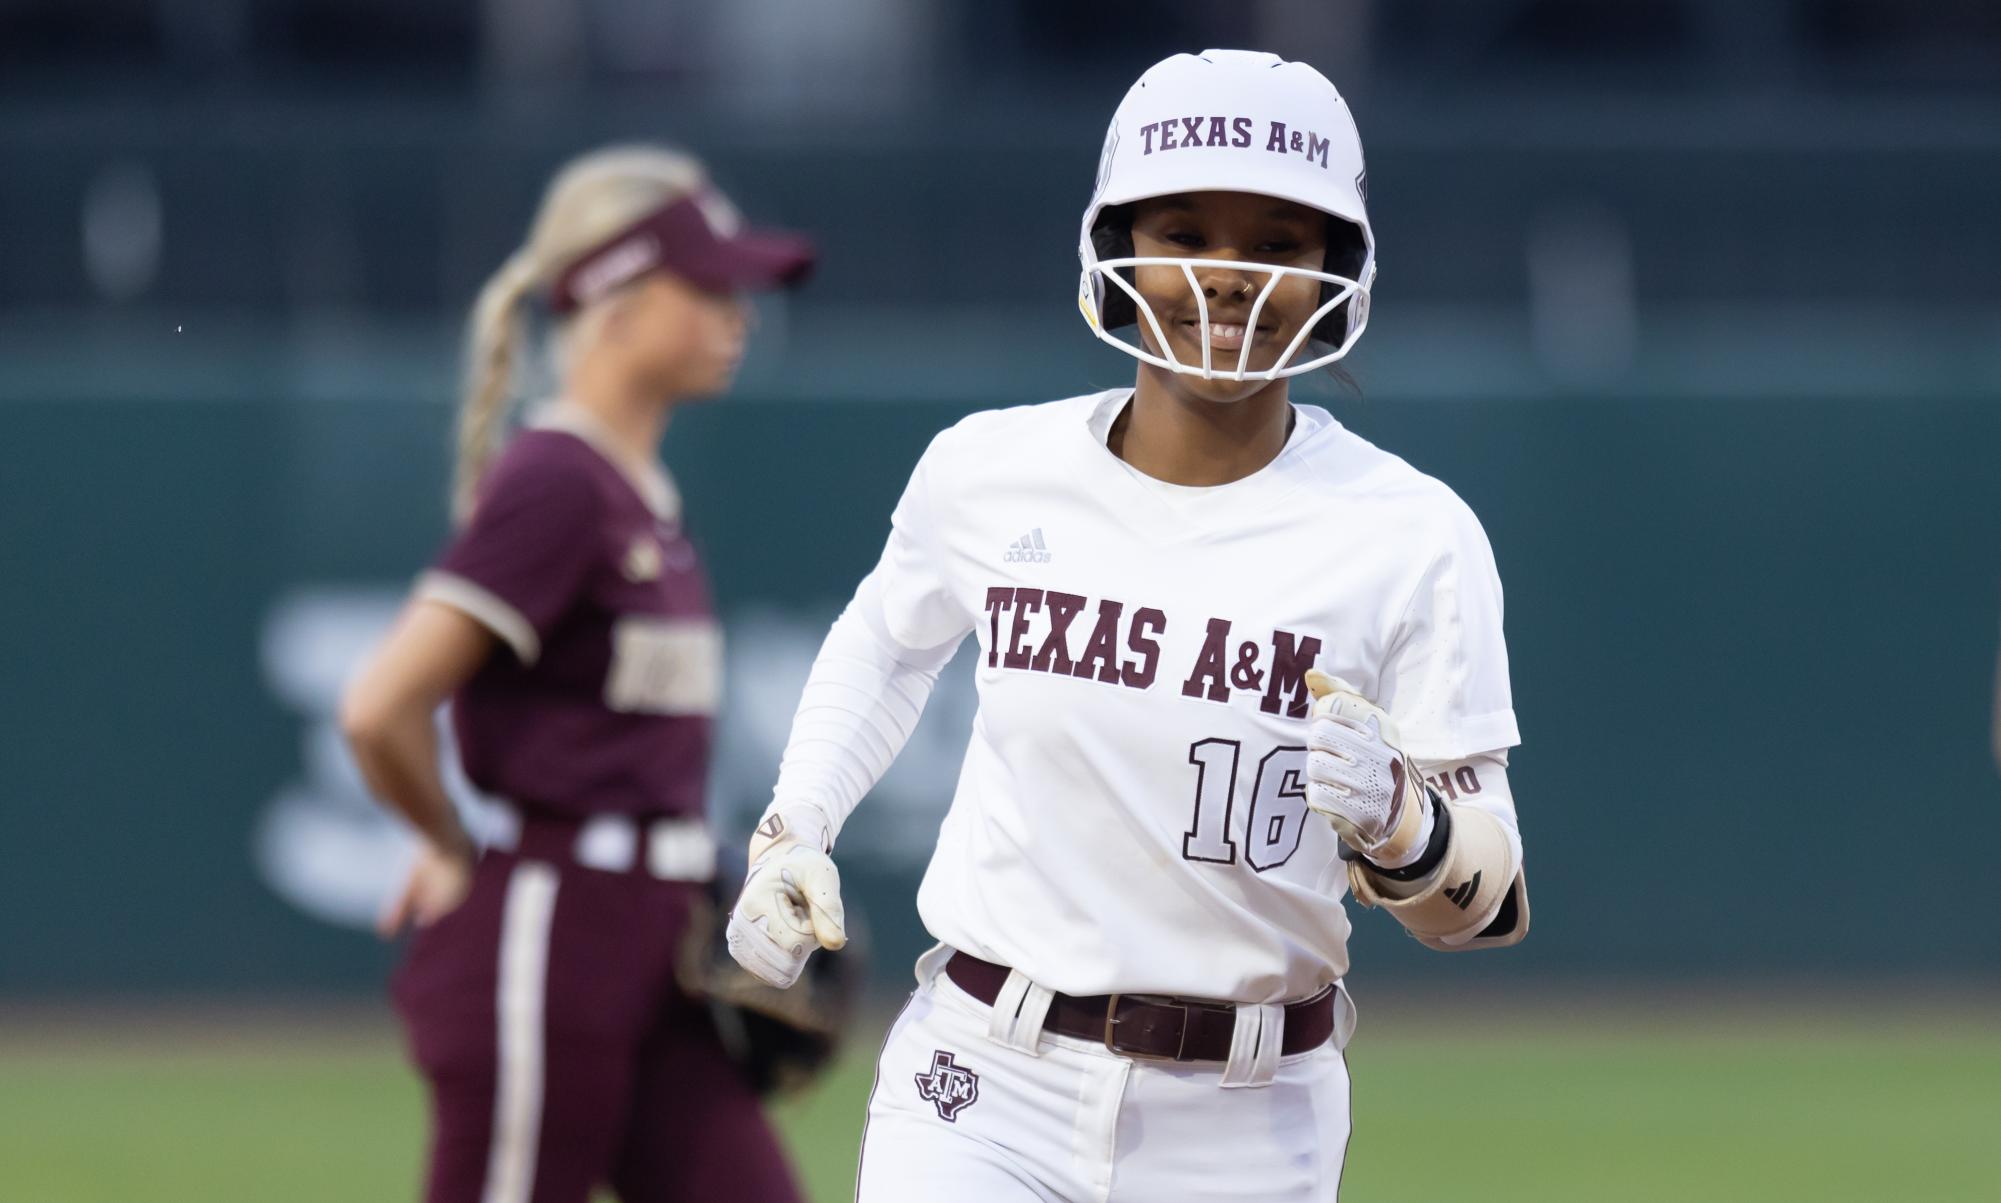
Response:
column 963, row 1111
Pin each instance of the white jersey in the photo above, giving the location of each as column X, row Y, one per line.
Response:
column 1131, row 815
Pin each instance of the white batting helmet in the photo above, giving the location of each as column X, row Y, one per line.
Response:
column 1230, row 121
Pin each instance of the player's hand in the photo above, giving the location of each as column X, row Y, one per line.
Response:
column 1357, row 776
column 790, row 905
column 439, row 880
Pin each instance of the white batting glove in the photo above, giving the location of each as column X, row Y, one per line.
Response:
column 790, row 905
column 1359, row 778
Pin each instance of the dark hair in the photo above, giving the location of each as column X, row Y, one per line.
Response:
column 1344, row 378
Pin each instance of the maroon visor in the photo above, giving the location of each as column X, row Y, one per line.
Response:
column 700, row 239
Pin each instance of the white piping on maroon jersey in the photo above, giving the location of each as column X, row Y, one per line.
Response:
column 485, row 607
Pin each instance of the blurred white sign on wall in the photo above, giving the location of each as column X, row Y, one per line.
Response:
column 326, row 847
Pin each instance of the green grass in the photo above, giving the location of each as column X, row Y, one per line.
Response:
column 1758, row 1110
column 1772, row 1116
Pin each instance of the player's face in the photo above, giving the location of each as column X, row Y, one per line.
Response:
column 684, row 343
column 1226, row 226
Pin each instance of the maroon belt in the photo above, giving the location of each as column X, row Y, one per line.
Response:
column 1151, row 1025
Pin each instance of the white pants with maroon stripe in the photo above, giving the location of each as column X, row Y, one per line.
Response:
column 960, row 1114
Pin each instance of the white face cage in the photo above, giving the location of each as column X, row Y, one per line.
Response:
column 1345, row 289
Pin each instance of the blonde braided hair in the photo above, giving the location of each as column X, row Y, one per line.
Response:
column 591, row 198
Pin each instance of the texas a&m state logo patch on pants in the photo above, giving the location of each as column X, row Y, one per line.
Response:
column 950, row 1086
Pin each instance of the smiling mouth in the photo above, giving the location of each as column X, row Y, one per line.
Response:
column 1225, row 336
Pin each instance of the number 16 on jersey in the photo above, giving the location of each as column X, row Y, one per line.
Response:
column 1277, row 812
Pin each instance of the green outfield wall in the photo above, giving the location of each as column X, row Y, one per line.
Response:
column 1753, row 646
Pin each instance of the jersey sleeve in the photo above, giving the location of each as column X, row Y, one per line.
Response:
column 523, row 560
column 1446, row 675
column 876, row 670
column 1479, row 780
column 913, row 605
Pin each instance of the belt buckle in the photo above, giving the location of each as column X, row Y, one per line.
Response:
column 1112, row 1023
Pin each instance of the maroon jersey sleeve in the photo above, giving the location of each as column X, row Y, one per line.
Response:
column 528, row 552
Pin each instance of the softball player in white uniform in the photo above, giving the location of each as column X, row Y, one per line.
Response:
column 1235, row 663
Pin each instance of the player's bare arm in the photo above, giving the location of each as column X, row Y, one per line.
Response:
column 388, row 715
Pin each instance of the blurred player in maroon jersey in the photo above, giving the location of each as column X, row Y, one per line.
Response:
column 570, row 623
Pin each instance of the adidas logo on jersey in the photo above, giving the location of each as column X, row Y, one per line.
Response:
column 1029, row 549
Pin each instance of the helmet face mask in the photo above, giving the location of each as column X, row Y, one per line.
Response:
column 1269, row 128
column 1344, row 290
